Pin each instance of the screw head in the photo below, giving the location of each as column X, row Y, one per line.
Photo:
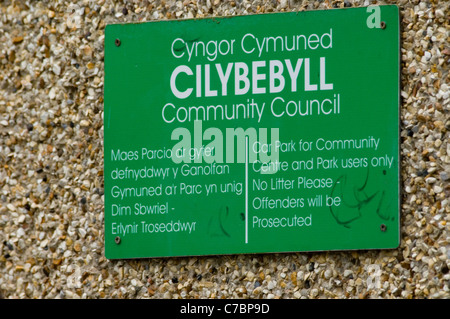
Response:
column 117, row 240
column 117, row 42
column 383, row 227
column 383, row 25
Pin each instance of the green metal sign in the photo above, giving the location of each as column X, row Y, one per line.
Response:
column 252, row 134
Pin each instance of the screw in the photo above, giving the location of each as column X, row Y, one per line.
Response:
column 383, row 227
column 383, row 25
column 117, row 42
column 117, row 240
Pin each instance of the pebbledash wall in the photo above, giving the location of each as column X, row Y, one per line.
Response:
column 51, row 166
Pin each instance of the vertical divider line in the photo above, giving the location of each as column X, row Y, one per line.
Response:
column 246, row 189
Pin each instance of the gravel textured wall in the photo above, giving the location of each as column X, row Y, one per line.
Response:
column 51, row 166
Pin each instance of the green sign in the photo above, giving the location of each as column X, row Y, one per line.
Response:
column 252, row 134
